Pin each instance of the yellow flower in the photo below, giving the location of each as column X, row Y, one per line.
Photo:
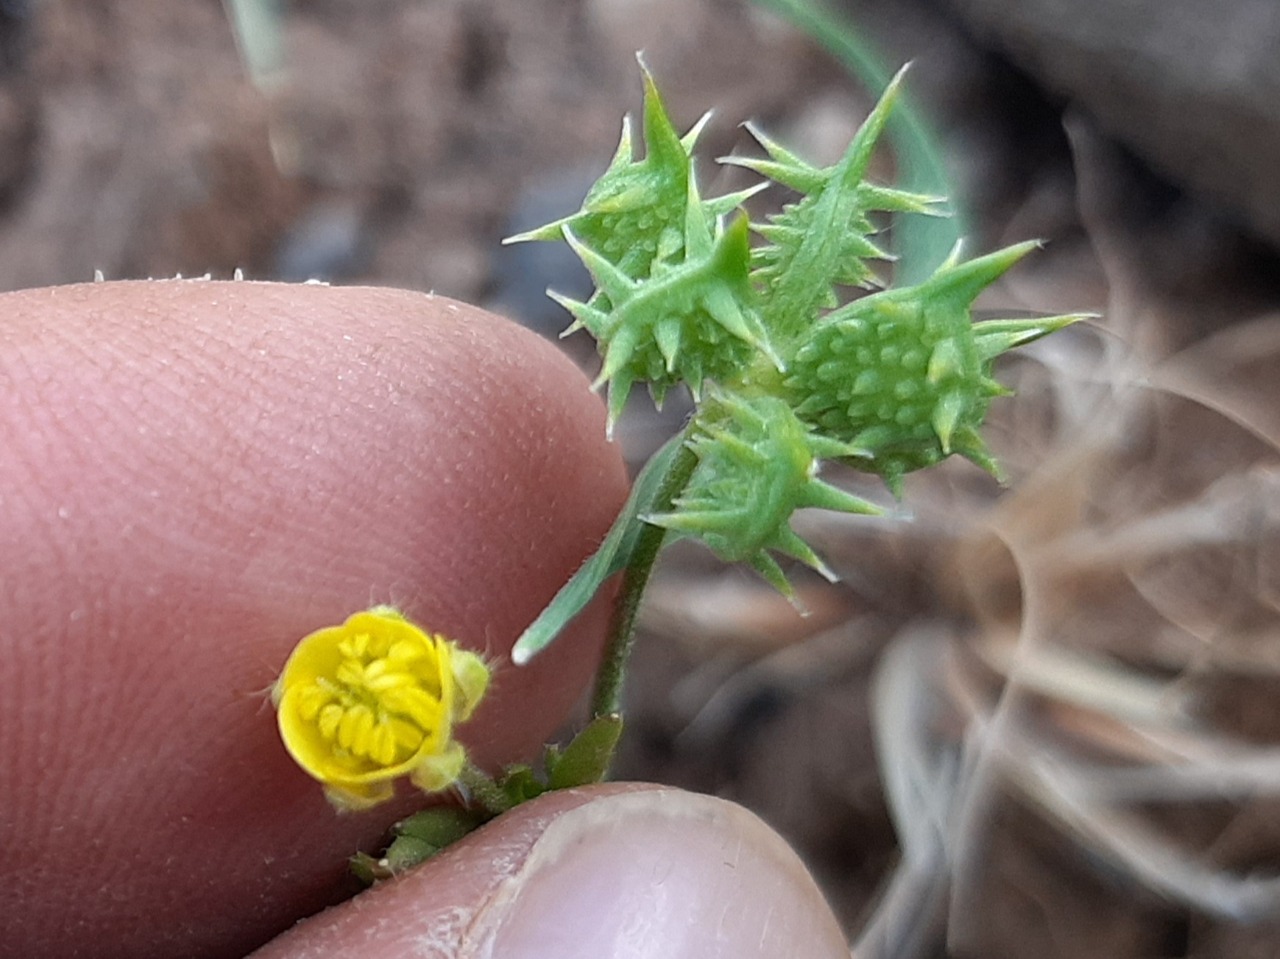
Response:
column 362, row 704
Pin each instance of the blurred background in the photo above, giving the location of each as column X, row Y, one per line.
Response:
column 1033, row 721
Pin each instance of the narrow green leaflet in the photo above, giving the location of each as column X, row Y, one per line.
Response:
column 439, row 826
column 586, row 759
column 520, row 783
column 612, row 557
column 417, row 839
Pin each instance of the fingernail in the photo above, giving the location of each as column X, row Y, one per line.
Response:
column 664, row 874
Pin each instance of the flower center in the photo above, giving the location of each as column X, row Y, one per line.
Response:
column 382, row 701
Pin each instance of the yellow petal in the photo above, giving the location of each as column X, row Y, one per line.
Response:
column 362, row 704
column 347, row 798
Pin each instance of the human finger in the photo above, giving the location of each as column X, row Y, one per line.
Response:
column 196, row 474
column 619, row 870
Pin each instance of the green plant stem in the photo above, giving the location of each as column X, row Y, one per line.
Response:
column 485, row 793
column 606, row 700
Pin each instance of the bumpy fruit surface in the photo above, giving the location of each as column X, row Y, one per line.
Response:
column 904, row 376
column 688, row 323
column 673, row 303
column 634, row 216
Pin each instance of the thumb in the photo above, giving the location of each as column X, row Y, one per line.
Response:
column 625, row 869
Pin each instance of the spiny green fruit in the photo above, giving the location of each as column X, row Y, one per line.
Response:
column 634, row 215
column 824, row 239
column 757, row 464
column 686, row 323
column 904, row 376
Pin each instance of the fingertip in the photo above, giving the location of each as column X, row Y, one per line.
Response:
column 201, row 474
column 624, row 869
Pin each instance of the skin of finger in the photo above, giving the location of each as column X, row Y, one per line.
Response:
column 195, row 475
column 567, row 876
column 432, row 908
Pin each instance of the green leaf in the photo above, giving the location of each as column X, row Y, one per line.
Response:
column 520, row 784
column 405, row 852
column 612, row 557
column 586, row 759
column 417, row 839
column 439, row 826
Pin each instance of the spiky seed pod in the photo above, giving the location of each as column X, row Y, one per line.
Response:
column 904, row 376
column 757, row 464
column 689, row 322
column 634, row 215
column 824, row 239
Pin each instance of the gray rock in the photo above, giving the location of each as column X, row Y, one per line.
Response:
column 328, row 242
column 1192, row 87
column 525, row 271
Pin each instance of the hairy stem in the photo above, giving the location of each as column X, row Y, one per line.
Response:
column 486, row 796
column 607, row 697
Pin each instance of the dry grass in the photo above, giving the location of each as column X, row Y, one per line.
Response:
column 1070, row 685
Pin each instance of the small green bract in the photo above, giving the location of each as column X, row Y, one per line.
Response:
column 790, row 367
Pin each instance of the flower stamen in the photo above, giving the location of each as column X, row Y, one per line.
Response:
column 374, row 699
